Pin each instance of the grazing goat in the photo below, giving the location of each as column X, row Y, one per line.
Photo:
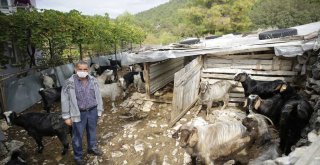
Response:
column 219, row 91
column 49, row 97
column 264, row 89
column 48, row 80
column 100, row 69
column 16, row 159
column 41, row 124
column 270, row 107
column 212, row 141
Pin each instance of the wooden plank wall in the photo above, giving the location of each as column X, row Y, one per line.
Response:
column 186, row 88
column 262, row 66
column 160, row 74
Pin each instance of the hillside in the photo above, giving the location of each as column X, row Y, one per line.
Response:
column 163, row 16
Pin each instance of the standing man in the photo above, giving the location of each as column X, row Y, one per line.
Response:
column 81, row 105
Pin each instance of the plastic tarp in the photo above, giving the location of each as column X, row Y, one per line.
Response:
column 293, row 50
column 63, row 73
column 23, row 93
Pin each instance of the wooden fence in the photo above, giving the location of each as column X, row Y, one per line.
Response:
column 261, row 66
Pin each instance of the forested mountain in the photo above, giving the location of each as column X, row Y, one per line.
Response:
column 195, row 18
column 161, row 22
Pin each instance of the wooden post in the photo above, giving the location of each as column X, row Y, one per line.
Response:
column 3, row 98
column 146, row 75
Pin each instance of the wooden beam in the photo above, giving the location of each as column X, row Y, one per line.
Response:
column 260, row 78
column 146, row 76
column 253, row 72
column 158, row 101
column 247, row 56
column 3, row 98
column 182, row 114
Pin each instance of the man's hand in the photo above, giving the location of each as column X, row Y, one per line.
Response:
column 68, row 122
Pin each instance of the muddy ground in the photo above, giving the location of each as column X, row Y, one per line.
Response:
column 123, row 139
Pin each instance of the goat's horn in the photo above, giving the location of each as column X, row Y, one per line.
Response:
column 267, row 119
column 245, row 103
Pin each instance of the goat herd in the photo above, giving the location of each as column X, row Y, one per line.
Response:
column 274, row 102
column 39, row 124
column 267, row 102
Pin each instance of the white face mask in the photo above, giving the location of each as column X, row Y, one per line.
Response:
column 82, row 74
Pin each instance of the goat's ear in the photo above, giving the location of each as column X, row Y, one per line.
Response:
column 257, row 103
column 193, row 138
column 278, row 87
column 283, row 87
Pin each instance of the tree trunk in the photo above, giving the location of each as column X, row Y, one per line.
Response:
column 115, row 51
column 81, row 53
column 50, row 49
column 31, row 54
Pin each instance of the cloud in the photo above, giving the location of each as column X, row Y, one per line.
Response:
column 100, row 7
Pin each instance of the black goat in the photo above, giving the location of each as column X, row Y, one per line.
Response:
column 50, row 96
column 264, row 89
column 100, row 69
column 15, row 159
column 270, row 107
column 41, row 124
column 129, row 79
column 295, row 115
column 115, row 63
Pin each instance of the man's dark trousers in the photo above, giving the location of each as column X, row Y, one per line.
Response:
column 89, row 122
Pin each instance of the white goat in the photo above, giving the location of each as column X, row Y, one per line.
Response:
column 106, row 75
column 48, row 81
column 219, row 91
column 137, row 82
column 113, row 91
column 212, row 141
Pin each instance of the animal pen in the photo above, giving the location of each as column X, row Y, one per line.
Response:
column 220, row 59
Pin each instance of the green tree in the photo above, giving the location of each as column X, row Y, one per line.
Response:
column 285, row 13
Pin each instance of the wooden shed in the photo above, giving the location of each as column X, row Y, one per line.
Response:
column 221, row 59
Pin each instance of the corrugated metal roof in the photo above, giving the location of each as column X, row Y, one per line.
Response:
column 229, row 44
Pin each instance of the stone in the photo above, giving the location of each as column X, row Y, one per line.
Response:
column 3, row 125
column 147, row 106
column 186, row 158
column 95, row 161
column 116, row 154
column 314, row 97
column 316, row 88
column 174, row 152
column 138, row 146
column 139, row 102
column 107, row 135
column 125, row 147
column 14, row 145
column 312, row 136
column 3, row 149
column 316, row 74
column 165, row 160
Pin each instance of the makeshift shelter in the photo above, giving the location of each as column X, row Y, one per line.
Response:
column 220, row 59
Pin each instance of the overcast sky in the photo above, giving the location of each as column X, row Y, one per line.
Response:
column 91, row 7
